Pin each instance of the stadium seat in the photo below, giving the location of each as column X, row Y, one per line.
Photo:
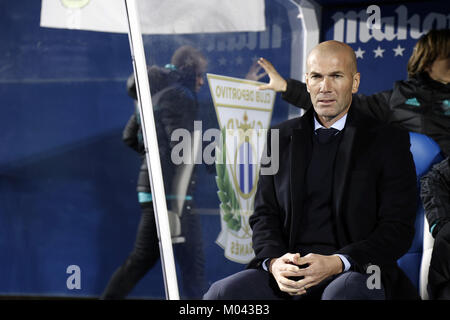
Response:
column 415, row 262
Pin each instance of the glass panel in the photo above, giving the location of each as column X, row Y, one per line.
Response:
column 209, row 206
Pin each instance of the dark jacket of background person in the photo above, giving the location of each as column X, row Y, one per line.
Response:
column 418, row 104
column 175, row 105
column 435, row 194
column 374, row 191
column 173, row 89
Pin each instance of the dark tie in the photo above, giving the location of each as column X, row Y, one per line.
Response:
column 325, row 135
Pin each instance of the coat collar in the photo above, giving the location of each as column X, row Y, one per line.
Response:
column 342, row 167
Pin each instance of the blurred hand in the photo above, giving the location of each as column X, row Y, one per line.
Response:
column 253, row 72
column 277, row 82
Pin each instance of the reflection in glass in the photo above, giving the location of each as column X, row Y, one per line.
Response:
column 174, row 90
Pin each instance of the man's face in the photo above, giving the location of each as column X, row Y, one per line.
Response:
column 199, row 81
column 440, row 70
column 331, row 80
column 200, row 74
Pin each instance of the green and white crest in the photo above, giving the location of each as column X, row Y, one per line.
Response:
column 244, row 114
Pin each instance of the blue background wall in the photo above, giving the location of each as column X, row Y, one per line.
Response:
column 67, row 181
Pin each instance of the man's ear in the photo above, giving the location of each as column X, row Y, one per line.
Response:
column 356, row 80
column 307, row 82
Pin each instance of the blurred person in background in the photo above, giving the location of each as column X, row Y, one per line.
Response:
column 174, row 97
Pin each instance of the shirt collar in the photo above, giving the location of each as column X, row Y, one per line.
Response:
column 339, row 125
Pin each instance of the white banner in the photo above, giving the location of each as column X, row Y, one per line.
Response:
column 156, row 16
column 244, row 114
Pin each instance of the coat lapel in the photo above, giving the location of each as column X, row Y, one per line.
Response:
column 300, row 151
column 342, row 168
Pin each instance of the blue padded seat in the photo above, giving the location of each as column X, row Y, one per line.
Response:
column 426, row 153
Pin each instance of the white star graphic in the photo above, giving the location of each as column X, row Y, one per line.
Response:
column 359, row 53
column 398, row 51
column 378, row 52
column 239, row 60
column 222, row 61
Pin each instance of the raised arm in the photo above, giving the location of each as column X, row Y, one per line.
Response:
column 292, row 91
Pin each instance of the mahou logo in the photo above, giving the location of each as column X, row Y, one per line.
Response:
column 348, row 26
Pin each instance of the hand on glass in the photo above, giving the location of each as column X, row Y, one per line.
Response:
column 276, row 82
column 253, row 72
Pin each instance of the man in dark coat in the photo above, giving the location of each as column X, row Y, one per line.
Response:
column 340, row 211
column 419, row 104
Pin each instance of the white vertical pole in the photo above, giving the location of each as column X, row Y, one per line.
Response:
column 310, row 16
column 151, row 143
column 310, row 13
